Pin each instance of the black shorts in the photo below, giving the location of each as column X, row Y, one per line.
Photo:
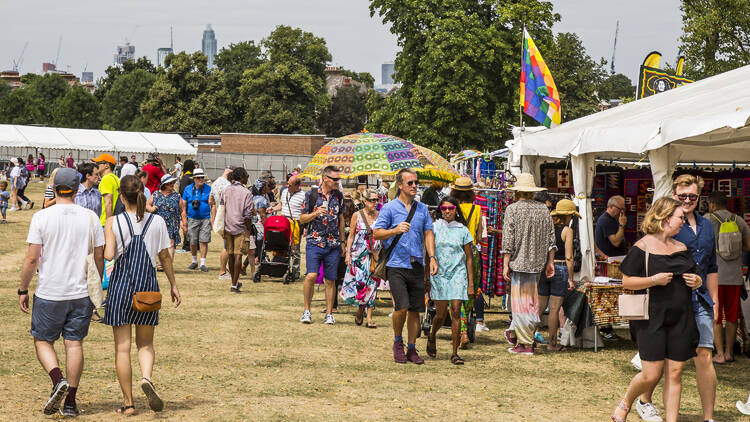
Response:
column 71, row 318
column 407, row 287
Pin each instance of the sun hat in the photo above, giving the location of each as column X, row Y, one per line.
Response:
column 462, row 183
column 525, row 183
column 105, row 157
column 198, row 173
column 565, row 207
column 14, row 160
column 66, row 180
column 167, row 178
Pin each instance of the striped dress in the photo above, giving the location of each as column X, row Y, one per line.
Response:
column 133, row 272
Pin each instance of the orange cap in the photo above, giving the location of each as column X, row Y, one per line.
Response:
column 105, row 157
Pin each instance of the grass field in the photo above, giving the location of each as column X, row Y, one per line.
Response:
column 225, row 357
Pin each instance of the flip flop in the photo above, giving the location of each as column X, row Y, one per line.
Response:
column 359, row 319
column 373, row 325
column 456, row 360
column 124, row 409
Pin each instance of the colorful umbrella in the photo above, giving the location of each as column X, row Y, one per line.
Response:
column 367, row 153
column 442, row 171
column 465, row 155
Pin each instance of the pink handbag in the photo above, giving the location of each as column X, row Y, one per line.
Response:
column 634, row 307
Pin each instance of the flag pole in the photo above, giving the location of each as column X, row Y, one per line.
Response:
column 520, row 106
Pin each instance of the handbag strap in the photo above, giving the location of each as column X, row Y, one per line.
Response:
column 412, row 210
column 368, row 238
column 646, row 251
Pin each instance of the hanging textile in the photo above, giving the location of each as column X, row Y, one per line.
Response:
column 493, row 205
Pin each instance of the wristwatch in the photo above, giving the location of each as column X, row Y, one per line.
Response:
column 433, row 257
column 23, row 292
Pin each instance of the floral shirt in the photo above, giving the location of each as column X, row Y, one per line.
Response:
column 323, row 231
column 528, row 235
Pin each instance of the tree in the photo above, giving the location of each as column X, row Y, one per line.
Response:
column 21, row 107
column 233, row 61
column 121, row 107
column 348, row 112
column 113, row 72
column 186, row 97
column 287, row 44
column 576, row 75
column 362, row 77
column 459, row 69
column 5, row 90
column 716, row 36
column 77, row 109
column 282, row 98
column 616, row 86
column 48, row 89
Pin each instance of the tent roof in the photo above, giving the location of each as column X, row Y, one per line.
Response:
column 93, row 140
column 713, row 112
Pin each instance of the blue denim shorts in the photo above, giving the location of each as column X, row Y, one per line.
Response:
column 71, row 318
column 555, row 286
column 704, row 319
column 329, row 257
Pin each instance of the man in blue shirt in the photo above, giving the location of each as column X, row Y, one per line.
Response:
column 698, row 236
column 404, row 269
column 196, row 217
column 88, row 195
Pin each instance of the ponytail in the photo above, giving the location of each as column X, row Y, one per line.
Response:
column 131, row 189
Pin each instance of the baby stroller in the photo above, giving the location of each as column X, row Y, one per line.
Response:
column 277, row 239
column 431, row 311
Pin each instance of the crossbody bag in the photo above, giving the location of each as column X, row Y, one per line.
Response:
column 634, row 307
column 370, row 243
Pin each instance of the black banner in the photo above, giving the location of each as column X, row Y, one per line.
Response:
column 654, row 81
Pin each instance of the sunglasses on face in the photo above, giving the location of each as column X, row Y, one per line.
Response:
column 447, row 208
column 412, row 183
column 683, row 196
column 199, row 178
column 371, row 199
column 335, row 179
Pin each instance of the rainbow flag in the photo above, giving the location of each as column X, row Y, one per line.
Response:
column 539, row 96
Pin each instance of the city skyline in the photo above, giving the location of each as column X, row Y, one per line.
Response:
column 356, row 40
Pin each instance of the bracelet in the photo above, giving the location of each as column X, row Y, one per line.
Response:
column 23, row 292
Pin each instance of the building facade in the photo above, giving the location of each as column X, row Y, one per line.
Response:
column 124, row 53
column 387, row 70
column 208, row 46
column 161, row 55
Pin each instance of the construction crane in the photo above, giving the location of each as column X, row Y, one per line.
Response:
column 614, row 48
column 59, row 45
column 17, row 63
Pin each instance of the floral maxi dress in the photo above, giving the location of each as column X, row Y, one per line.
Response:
column 360, row 287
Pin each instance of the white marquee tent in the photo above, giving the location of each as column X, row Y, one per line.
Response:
column 705, row 122
column 16, row 140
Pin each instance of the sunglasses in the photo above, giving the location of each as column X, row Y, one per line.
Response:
column 371, row 199
column 335, row 179
column 198, row 178
column 412, row 183
column 447, row 208
column 683, row 196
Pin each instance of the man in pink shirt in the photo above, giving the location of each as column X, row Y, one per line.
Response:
column 238, row 219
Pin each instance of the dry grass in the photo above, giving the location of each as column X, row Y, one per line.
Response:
column 223, row 357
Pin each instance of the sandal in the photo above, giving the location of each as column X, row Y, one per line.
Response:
column 124, row 409
column 371, row 325
column 431, row 347
column 556, row 348
column 456, row 360
column 359, row 319
column 621, row 406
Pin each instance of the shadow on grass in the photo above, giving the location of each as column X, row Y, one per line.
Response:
column 141, row 407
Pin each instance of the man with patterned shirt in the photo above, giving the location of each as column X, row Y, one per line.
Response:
column 528, row 248
column 322, row 211
column 88, row 195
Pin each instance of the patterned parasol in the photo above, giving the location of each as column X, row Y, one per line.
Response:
column 443, row 170
column 367, row 153
column 465, row 155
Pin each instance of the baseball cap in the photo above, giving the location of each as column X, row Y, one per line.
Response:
column 66, row 180
column 105, row 157
column 198, row 173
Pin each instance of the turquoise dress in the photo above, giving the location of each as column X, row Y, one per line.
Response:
column 451, row 281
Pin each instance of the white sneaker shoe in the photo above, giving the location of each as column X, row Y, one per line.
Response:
column 329, row 319
column 482, row 328
column 306, row 317
column 636, row 362
column 225, row 276
column 12, row 209
column 647, row 411
column 744, row 408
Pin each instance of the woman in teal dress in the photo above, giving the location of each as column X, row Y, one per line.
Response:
column 454, row 280
column 165, row 203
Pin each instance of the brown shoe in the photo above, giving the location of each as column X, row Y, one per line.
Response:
column 398, row 352
column 413, row 357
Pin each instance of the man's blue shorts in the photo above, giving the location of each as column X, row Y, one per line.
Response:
column 71, row 318
column 704, row 318
column 329, row 257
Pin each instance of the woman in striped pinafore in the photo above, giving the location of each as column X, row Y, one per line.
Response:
column 135, row 238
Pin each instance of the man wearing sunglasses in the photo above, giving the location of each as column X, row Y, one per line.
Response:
column 405, row 266
column 698, row 235
column 326, row 243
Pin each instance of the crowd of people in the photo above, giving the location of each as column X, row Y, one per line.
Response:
column 137, row 214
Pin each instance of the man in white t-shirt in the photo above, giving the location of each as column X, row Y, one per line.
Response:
column 290, row 205
column 61, row 300
column 127, row 169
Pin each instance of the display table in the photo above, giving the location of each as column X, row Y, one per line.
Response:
column 602, row 295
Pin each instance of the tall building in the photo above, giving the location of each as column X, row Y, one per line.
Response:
column 48, row 67
column 124, row 53
column 161, row 54
column 87, row 77
column 387, row 70
column 208, row 46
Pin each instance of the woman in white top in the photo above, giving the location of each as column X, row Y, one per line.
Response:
column 135, row 238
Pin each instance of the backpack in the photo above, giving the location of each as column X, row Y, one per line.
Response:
column 24, row 172
column 313, row 199
column 729, row 238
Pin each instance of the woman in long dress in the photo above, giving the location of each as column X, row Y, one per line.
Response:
column 360, row 287
column 165, row 202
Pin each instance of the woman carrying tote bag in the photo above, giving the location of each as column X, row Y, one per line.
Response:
column 134, row 238
column 669, row 336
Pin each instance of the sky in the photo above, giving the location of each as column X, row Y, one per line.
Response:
column 91, row 30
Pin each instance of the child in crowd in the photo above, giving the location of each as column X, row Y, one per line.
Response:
column 4, row 196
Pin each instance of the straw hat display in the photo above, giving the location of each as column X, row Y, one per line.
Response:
column 525, row 183
column 565, row 207
column 462, row 183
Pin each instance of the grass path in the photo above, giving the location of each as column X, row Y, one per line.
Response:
column 226, row 357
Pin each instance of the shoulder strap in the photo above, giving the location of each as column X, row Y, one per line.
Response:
column 471, row 212
column 312, row 201
column 364, row 219
column 148, row 223
column 646, row 251
column 288, row 199
column 119, row 228
column 130, row 226
column 412, row 210
column 393, row 244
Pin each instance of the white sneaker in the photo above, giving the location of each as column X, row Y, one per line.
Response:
column 306, row 317
column 482, row 328
column 12, row 209
column 329, row 319
column 636, row 362
column 744, row 408
column 225, row 276
column 647, row 411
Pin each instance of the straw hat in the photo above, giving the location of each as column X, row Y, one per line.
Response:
column 565, row 207
column 462, row 183
column 525, row 183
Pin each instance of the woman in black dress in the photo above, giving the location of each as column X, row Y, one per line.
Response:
column 669, row 337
